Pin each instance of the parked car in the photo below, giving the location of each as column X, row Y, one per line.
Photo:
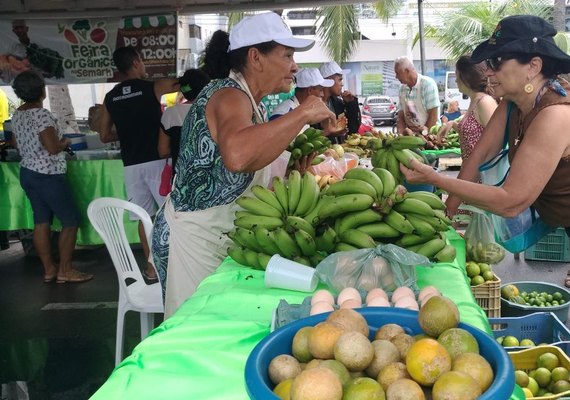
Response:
column 381, row 109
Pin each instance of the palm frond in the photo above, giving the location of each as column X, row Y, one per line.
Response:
column 338, row 31
column 385, row 9
column 234, row 18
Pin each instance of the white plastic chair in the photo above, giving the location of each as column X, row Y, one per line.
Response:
column 106, row 215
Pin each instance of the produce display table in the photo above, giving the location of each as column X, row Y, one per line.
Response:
column 452, row 152
column 200, row 352
column 88, row 180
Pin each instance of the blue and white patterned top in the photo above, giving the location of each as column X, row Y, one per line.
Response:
column 202, row 181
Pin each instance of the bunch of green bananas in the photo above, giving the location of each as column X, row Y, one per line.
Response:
column 451, row 140
column 392, row 151
column 311, row 140
column 368, row 207
column 275, row 222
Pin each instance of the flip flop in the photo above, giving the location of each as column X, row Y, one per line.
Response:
column 74, row 277
column 49, row 278
column 149, row 278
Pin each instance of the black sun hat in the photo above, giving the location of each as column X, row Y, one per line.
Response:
column 527, row 34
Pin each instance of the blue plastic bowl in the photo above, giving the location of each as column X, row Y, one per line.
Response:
column 259, row 387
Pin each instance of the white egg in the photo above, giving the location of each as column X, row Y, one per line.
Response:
column 378, row 302
column 402, row 291
column 348, row 293
column 322, row 295
column 407, row 302
column 351, row 303
column 321, row 307
column 376, row 292
column 427, row 290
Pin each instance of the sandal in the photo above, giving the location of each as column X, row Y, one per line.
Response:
column 74, row 277
column 149, row 278
column 50, row 278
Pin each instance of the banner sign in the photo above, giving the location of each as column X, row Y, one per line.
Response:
column 81, row 50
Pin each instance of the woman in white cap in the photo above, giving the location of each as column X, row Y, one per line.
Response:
column 227, row 147
column 523, row 67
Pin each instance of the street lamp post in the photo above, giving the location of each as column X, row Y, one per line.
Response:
column 422, row 44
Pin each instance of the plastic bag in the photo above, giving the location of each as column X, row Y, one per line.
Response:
column 480, row 238
column 279, row 166
column 336, row 168
column 166, row 179
column 386, row 266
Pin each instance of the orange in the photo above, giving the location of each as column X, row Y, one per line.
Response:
column 427, row 360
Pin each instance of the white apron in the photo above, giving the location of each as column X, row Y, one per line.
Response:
column 198, row 240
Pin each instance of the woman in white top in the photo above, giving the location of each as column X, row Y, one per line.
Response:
column 42, row 176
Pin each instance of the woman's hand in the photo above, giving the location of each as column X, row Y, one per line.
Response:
column 316, row 111
column 444, row 130
column 418, row 172
column 304, row 163
column 452, row 204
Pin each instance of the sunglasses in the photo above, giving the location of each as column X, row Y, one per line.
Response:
column 494, row 63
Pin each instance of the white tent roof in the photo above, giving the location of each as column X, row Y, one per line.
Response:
column 35, row 9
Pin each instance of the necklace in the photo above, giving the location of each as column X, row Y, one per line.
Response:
column 522, row 117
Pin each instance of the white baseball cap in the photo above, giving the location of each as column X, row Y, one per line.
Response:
column 265, row 27
column 332, row 68
column 309, row 77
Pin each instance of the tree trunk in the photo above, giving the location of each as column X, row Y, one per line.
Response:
column 558, row 15
column 60, row 105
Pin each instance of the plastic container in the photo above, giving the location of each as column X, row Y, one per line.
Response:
column 540, row 327
column 526, row 361
column 259, row 387
column 488, row 296
column 510, row 309
column 78, row 141
column 553, row 247
column 286, row 274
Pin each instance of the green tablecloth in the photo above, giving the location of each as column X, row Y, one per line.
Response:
column 443, row 152
column 88, row 180
column 199, row 353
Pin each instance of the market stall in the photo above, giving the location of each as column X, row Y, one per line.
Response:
column 88, row 179
column 201, row 350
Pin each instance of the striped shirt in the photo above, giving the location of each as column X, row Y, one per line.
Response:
column 418, row 100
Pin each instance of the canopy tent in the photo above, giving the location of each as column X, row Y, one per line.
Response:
column 35, row 9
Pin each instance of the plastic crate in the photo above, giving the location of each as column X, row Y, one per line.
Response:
column 510, row 309
column 526, row 360
column 488, row 296
column 540, row 327
column 553, row 247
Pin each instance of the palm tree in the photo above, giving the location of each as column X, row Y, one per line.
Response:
column 460, row 31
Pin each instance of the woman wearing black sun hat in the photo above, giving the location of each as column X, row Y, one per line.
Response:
column 523, row 68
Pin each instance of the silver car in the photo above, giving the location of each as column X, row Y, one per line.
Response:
column 380, row 109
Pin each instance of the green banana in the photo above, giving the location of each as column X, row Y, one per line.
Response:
column 327, row 240
column 247, row 239
column 388, row 180
column 350, row 186
column 398, row 222
column 280, row 190
column 305, row 242
column 393, row 165
column 367, row 176
column 421, row 227
column 340, row 246
column 447, row 254
column 309, row 194
column 303, row 260
column 411, row 239
column 240, row 214
column 357, row 239
column 236, row 252
column 267, row 196
column 313, row 216
column 386, row 205
column 407, row 142
column 378, row 159
column 300, row 139
column 414, row 247
column 294, row 188
column 430, row 198
column 251, row 258
column 415, row 206
column 249, row 222
column 264, row 240
column 294, row 223
column 399, row 194
column 317, row 258
column 379, row 230
column 233, row 236
column 357, row 218
column 375, row 144
column 263, row 260
column 442, row 217
column 258, row 207
column 403, row 157
column 435, row 222
column 287, row 246
column 343, row 204
column 431, row 248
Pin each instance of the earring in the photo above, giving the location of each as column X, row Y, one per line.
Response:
column 529, row 88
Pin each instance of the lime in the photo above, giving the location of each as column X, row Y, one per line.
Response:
column 521, row 378
column 560, row 374
column 364, row 389
column 510, row 341
column 488, row 275
column 472, row 269
column 283, row 389
column 500, row 339
column 549, row 298
column 527, row 342
column 561, row 301
column 557, row 296
column 532, row 385
column 548, row 361
column 560, row 386
column 542, row 377
column 527, row 393
column 477, row 280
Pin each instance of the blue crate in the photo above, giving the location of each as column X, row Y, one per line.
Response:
column 540, row 327
column 553, row 247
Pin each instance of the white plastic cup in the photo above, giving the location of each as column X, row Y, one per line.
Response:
column 286, row 274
